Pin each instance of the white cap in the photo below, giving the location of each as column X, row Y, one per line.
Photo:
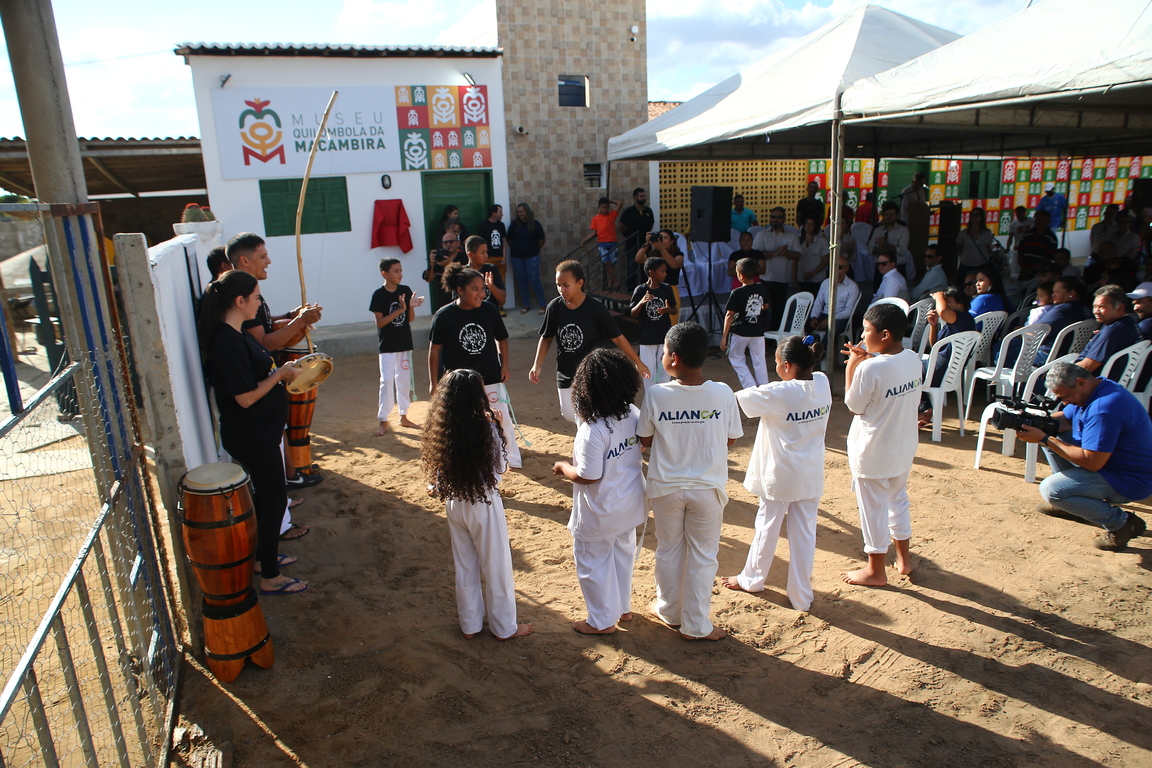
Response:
column 1049, row 186
column 1143, row 291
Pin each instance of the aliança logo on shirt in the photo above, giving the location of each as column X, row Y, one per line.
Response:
column 473, row 338
column 810, row 415
column 688, row 415
column 903, row 389
column 625, row 444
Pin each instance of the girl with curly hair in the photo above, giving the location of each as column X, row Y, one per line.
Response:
column 607, row 487
column 462, row 456
column 786, row 468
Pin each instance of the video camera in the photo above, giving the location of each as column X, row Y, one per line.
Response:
column 1018, row 413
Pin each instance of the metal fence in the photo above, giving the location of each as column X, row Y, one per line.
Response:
column 87, row 643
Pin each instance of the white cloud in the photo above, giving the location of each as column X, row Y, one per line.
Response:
column 476, row 28
column 392, row 22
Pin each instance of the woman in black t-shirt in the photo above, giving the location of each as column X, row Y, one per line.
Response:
column 253, row 408
column 468, row 333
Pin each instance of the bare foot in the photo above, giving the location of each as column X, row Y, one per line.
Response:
column 715, row 634
column 382, row 429
column 468, row 636
column 407, row 422
column 903, row 557
column 732, row 583
column 865, row 577
column 584, row 628
column 626, row 616
column 923, row 422
column 522, row 630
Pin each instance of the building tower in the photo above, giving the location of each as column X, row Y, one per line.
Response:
column 575, row 74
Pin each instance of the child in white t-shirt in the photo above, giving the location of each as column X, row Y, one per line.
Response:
column 786, row 468
column 607, row 487
column 884, row 392
column 689, row 423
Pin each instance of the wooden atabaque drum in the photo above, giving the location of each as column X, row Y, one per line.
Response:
column 220, row 539
column 301, row 407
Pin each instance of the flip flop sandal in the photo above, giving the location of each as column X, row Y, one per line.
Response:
column 293, row 503
column 294, row 527
column 283, row 589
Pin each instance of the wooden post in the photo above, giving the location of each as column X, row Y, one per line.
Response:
column 158, row 416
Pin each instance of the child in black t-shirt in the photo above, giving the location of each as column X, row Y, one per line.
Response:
column 746, row 319
column 468, row 333
column 652, row 305
column 579, row 323
column 393, row 306
column 494, row 293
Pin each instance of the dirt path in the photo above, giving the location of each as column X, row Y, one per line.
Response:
column 1014, row 642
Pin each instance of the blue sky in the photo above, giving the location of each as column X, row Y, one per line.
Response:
column 124, row 79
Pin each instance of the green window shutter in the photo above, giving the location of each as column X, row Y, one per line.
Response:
column 325, row 206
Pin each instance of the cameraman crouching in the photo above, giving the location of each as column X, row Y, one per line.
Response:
column 1106, row 461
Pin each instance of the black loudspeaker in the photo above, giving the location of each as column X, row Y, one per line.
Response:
column 711, row 215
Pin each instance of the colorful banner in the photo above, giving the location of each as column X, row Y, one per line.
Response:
column 269, row 132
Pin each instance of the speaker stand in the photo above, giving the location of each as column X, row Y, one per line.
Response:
column 708, row 298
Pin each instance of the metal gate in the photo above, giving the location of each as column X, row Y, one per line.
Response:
column 87, row 641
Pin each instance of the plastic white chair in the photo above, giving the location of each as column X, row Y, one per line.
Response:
column 912, row 340
column 962, row 345
column 1039, row 374
column 1081, row 334
column 1143, row 395
column 1133, row 358
column 989, row 325
column 864, row 267
column 1007, row 380
column 795, row 317
column 892, row 300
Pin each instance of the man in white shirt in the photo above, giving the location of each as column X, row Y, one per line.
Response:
column 934, row 278
column 916, row 192
column 847, row 296
column 893, row 283
column 780, row 248
column 889, row 232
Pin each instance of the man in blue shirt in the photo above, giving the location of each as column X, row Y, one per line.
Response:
column 1117, row 330
column 742, row 218
column 1055, row 204
column 1142, row 304
column 1107, row 459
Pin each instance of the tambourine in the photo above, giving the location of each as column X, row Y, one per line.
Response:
column 314, row 369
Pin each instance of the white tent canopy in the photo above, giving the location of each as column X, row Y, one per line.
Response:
column 1070, row 75
column 792, row 88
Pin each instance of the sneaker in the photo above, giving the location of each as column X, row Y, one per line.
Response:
column 302, row 481
column 1119, row 538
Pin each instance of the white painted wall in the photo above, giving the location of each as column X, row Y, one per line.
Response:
column 340, row 269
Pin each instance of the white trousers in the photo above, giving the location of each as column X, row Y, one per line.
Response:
column 884, row 511
column 498, row 401
column 801, row 548
column 652, row 355
column 480, row 548
column 395, row 383
column 687, row 540
column 566, row 409
column 604, row 569
column 755, row 347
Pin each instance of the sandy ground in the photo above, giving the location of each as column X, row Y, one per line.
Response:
column 1013, row 643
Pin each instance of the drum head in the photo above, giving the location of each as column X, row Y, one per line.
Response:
column 314, row 369
column 210, row 478
column 295, row 353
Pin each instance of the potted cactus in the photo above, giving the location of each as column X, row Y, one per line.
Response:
column 202, row 223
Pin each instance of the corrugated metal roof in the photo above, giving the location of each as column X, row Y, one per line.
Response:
column 347, row 51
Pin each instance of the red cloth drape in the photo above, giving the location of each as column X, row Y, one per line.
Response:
column 390, row 225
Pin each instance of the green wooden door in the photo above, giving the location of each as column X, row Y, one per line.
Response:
column 470, row 191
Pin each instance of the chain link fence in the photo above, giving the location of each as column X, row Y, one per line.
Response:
column 87, row 646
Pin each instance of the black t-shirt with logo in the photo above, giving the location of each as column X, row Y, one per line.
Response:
column 396, row 336
column 576, row 332
column 263, row 318
column 653, row 326
column 494, row 235
column 752, row 307
column 238, row 364
column 467, row 339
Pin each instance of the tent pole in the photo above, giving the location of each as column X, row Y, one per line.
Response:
column 835, row 209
